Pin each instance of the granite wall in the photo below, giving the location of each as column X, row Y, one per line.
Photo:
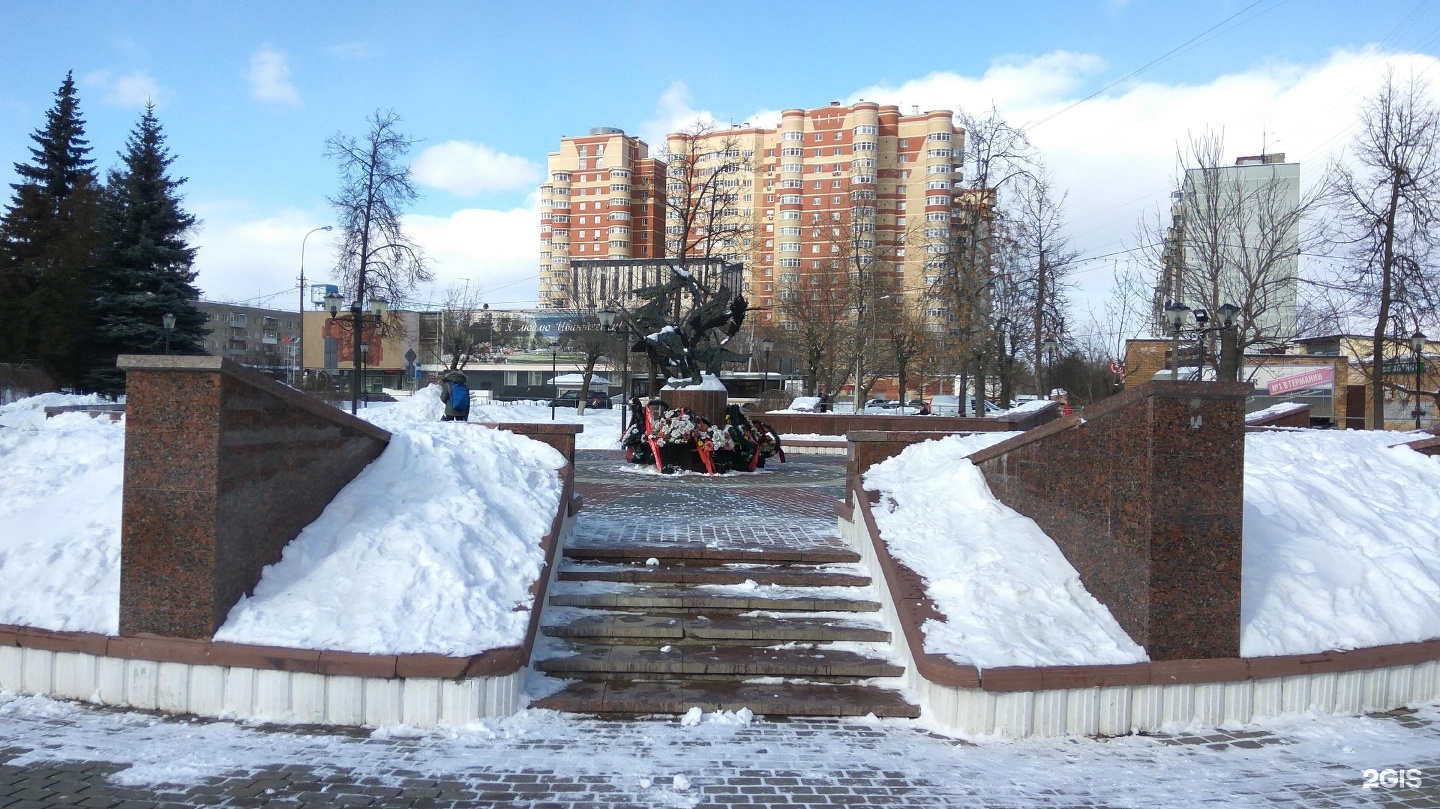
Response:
column 1145, row 496
column 223, row 467
column 844, row 423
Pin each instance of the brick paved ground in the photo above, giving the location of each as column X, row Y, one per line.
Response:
column 55, row 754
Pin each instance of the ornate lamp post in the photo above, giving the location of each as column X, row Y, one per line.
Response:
column 607, row 322
column 356, row 326
column 167, row 322
column 1229, row 366
column 1175, row 315
column 1050, row 345
column 766, row 346
column 1417, row 346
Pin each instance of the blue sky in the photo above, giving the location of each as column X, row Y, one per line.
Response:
column 248, row 93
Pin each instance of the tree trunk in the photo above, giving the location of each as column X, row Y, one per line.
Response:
column 1377, row 352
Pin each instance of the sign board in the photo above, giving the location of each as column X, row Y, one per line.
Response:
column 1405, row 366
column 1304, row 380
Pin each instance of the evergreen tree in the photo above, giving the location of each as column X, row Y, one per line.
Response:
column 47, row 244
column 144, row 269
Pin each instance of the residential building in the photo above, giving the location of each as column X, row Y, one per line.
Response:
column 1238, row 226
column 836, row 189
column 261, row 338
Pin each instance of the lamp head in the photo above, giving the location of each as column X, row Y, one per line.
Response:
column 1228, row 313
column 767, row 345
column 167, row 320
column 378, row 307
column 1050, row 344
column 1417, row 342
column 1201, row 317
column 606, row 316
column 1175, row 315
column 333, row 302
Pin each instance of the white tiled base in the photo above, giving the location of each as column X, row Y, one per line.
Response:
column 1118, row 710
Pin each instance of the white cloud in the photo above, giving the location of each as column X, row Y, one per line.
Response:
column 672, row 113
column 269, row 77
column 465, row 168
column 243, row 256
column 130, row 90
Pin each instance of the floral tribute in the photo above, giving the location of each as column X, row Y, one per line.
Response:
column 679, row 438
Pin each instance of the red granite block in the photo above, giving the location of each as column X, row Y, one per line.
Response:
column 1178, row 672
column 268, row 658
column 941, row 670
column 53, row 641
column 8, row 635
column 1057, row 677
column 168, row 650
column 496, row 662
column 1011, row 678
column 355, row 664
column 1264, row 668
column 430, row 665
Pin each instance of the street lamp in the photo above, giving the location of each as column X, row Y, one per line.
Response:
column 301, row 362
column 1176, row 315
column 766, row 346
column 606, row 314
column 1229, row 366
column 1417, row 345
column 356, row 325
column 1049, row 345
column 167, row 321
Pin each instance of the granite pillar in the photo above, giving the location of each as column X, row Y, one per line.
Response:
column 1145, row 497
column 223, row 467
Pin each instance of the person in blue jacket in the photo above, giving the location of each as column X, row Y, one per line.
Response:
column 455, row 392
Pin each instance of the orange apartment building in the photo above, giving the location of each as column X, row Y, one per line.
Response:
column 831, row 189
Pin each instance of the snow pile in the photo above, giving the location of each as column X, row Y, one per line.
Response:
column 602, row 427
column 30, row 412
column 1032, row 406
column 1342, row 542
column 707, row 382
column 433, row 548
column 801, row 404
column 60, row 487
column 1009, row 596
column 1274, row 411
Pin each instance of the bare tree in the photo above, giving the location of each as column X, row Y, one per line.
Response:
column 463, row 327
column 813, row 325
column 704, row 179
column 377, row 259
column 1047, row 257
column 1386, row 211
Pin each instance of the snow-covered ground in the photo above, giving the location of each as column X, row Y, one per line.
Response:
column 1341, row 551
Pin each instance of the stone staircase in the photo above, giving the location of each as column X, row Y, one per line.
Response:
column 660, row 628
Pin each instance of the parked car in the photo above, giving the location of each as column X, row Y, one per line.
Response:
column 945, row 405
column 571, row 398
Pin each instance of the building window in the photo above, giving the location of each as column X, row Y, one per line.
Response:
column 818, row 136
column 867, row 129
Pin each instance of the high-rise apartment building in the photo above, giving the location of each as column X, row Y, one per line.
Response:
column 1234, row 238
column 835, row 189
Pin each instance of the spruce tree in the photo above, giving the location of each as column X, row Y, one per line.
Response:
column 144, row 270
column 47, row 244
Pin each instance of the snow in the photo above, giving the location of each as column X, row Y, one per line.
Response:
column 60, row 487
column 803, row 404
column 707, row 382
column 1342, row 548
column 1274, row 411
column 1009, row 596
column 602, row 426
column 1032, row 406
column 576, row 379
column 1340, row 552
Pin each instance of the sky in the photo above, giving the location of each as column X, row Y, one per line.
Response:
column 249, row 92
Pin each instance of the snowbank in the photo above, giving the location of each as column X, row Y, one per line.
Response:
column 1341, row 551
column 60, row 487
column 1274, row 411
column 1342, row 542
column 433, row 548
column 1009, row 596
column 708, row 382
column 602, row 427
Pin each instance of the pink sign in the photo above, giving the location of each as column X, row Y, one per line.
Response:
column 1301, row 381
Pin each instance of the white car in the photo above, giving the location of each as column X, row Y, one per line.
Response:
column 944, row 405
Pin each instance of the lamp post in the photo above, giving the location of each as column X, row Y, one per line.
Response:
column 301, row 361
column 1228, row 369
column 378, row 307
column 1050, row 344
column 1175, row 315
column 1417, row 346
column 607, row 322
column 1201, row 333
column 766, row 346
column 167, row 322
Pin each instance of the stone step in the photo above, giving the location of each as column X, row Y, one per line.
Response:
column 680, row 598
column 671, row 553
column 764, row 699
column 631, row 628
column 701, row 659
column 690, row 574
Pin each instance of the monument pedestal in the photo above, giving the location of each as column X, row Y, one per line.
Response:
column 708, row 404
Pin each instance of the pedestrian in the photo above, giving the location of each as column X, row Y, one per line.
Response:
column 824, row 402
column 455, row 393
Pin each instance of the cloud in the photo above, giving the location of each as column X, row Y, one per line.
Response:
column 672, row 113
column 269, row 77
column 352, row 50
column 130, row 90
column 248, row 256
column 465, row 168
